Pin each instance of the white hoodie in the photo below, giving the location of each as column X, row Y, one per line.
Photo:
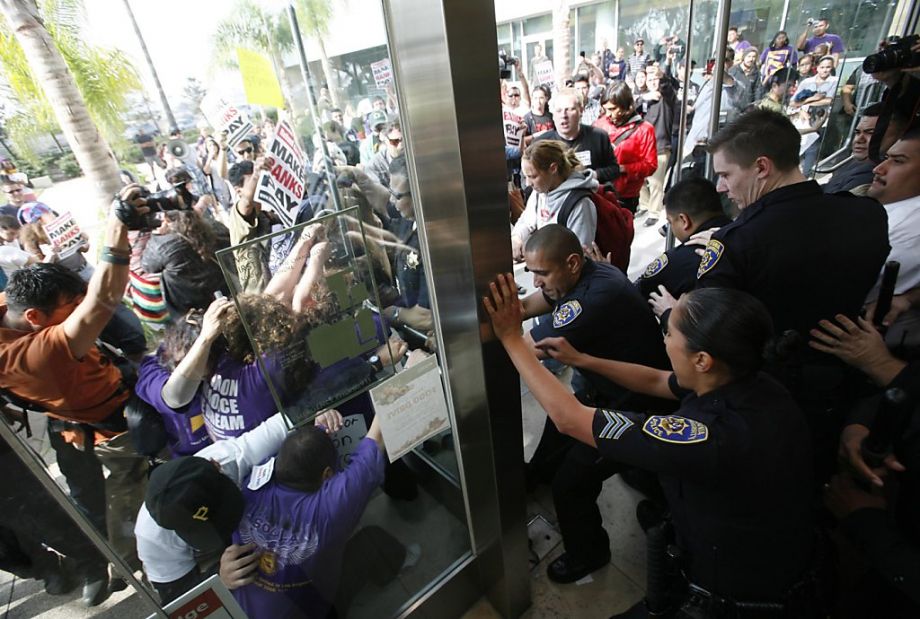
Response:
column 543, row 209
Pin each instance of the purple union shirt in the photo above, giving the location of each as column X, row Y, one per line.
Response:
column 236, row 398
column 302, row 536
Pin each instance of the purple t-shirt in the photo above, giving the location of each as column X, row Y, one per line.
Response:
column 236, row 398
column 833, row 40
column 185, row 428
column 301, row 537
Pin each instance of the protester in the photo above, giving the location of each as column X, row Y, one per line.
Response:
column 780, row 55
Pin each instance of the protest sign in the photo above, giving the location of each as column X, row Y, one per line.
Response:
column 64, row 234
column 259, row 81
column 544, row 72
column 281, row 189
column 512, row 122
column 383, row 73
column 225, row 116
column 346, row 440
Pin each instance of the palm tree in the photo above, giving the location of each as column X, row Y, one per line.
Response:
column 44, row 63
column 314, row 17
column 562, row 41
column 254, row 28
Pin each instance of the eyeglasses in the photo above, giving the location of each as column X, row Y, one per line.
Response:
column 12, row 191
column 514, row 94
column 244, row 151
column 399, row 196
column 395, row 141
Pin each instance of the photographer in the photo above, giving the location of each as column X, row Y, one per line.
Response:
column 821, row 37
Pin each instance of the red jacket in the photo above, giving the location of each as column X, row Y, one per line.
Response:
column 637, row 155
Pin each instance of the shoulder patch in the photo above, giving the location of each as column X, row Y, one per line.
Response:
column 656, row 266
column 675, row 429
column 566, row 314
column 617, row 424
column 710, row 257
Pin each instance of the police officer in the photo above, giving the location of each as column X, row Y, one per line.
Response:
column 804, row 254
column 413, row 309
column 733, row 460
column 880, row 525
column 596, row 307
column 691, row 206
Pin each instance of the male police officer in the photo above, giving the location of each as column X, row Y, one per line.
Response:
column 691, row 206
column 792, row 248
column 596, row 308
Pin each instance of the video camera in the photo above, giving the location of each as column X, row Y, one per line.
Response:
column 505, row 64
column 167, row 200
column 896, row 55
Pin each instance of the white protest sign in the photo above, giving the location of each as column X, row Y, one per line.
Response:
column 544, row 72
column 514, row 130
column 346, row 440
column 211, row 599
column 224, row 116
column 281, row 189
column 411, row 407
column 383, row 73
column 64, row 234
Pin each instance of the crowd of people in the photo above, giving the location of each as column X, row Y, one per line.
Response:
column 734, row 383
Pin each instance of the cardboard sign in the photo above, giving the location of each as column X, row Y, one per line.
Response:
column 543, row 72
column 211, row 599
column 383, row 73
column 282, row 188
column 346, row 440
column 411, row 407
column 65, row 236
column 514, row 131
column 259, row 81
column 225, row 116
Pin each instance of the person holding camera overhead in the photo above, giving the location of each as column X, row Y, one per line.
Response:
column 821, row 36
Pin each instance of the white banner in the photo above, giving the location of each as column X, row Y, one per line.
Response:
column 383, row 73
column 64, row 234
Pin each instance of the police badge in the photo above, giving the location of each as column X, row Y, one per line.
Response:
column 656, row 266
column 711, row 256
column 412, row 260
column 566, row 314
column 675, row 429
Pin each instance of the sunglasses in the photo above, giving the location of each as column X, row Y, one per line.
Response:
column 244, row 151
column 395, row 141
column 514, row 94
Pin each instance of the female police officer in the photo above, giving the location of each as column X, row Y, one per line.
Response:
column 734, row 460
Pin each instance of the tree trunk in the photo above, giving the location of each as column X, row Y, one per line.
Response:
column 156, row 78
column 332, row 79
column 562, row 41
column 51, row 72
column 56, row 143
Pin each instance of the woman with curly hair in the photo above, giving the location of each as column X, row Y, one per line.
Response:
column 182, row 251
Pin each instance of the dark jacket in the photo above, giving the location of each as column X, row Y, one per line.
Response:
column 593, row 141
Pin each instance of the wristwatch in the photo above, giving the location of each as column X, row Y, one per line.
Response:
column 375, row 361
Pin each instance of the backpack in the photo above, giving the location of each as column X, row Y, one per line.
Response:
column 614, row 223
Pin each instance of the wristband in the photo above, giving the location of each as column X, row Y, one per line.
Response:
column 111, row 259
column 121, row 253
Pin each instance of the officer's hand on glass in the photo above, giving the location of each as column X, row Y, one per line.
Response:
column 561, row 350
column 849, row 453
column 330, row 421
column 504, row 308
column 843, row 496
column 238, row 565
column 594, row 253
column 661, row 301
column 899, row 304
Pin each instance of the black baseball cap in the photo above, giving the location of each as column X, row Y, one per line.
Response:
column 190, row 496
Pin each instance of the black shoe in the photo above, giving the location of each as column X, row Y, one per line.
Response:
column 651, row 221
column 399, row 482
column 95, row 592
column 565, row 569
column 60, row 583
column 637, row 611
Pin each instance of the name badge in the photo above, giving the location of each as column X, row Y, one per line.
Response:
column 261, row 474
column 584, row 156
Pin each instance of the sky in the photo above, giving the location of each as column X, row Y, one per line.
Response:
column 177, row 33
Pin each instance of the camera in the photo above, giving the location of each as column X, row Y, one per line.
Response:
column 505, row 64
column 896, row 55
column 167, row 200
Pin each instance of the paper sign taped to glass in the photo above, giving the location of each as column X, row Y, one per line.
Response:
column 411, row 407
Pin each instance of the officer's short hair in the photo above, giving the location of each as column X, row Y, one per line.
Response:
column 873, row 111
column 556, row 242
column 759, row 133
column 697, row 197
column 911, row 135
column 303, row 457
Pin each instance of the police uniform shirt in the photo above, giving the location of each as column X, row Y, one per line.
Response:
column 806, row 255
column 676, row 268
column 604, row 316
column 735, row 466
column 410, row 273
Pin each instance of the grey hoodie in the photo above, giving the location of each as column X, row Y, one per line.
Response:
column 543, row 209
